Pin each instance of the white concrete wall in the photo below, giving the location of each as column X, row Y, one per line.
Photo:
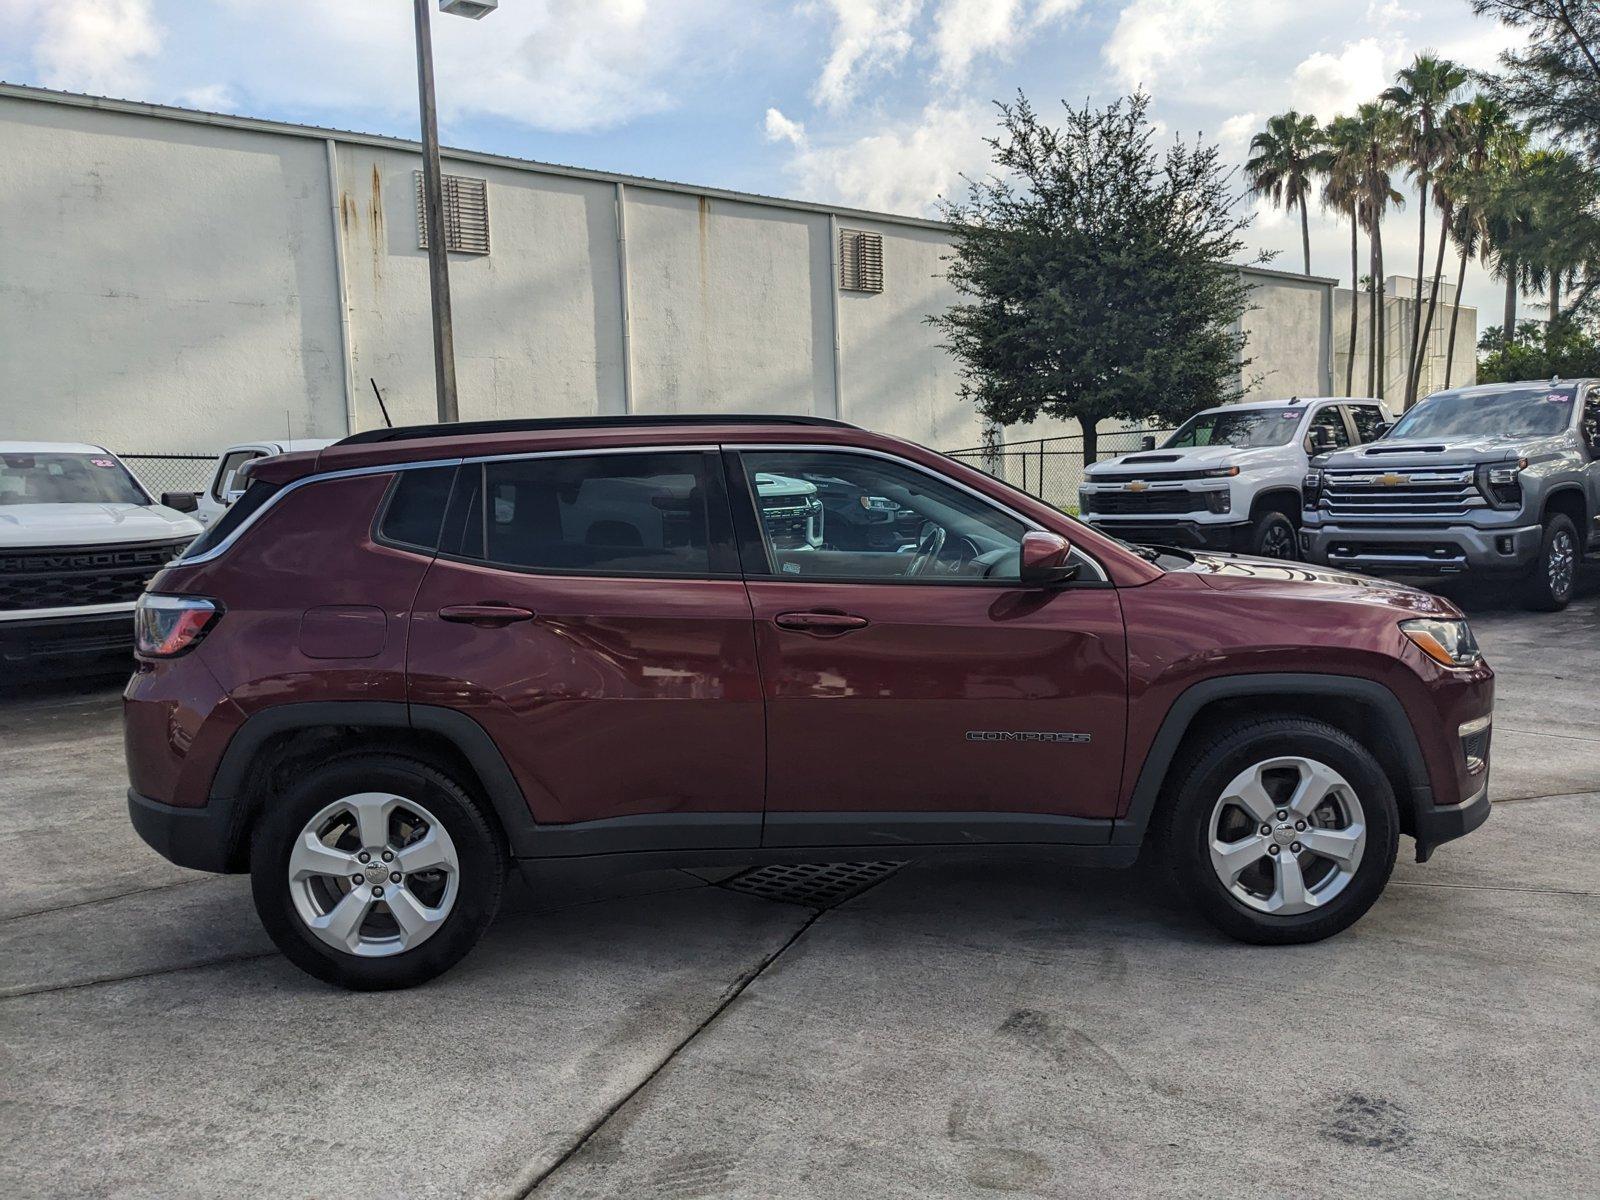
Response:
column 730, row 306
column 163, row 285
column 1287, row 327
column 1398, row 314
column 537, row 320
column 171, row 284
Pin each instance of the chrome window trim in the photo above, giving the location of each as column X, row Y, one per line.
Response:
column 846, row 448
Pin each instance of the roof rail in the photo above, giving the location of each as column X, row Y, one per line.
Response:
column 404, row 433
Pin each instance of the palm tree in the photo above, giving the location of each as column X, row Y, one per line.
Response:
column 1284, row 159
column 1380, row 128
column 1344, row 157
column 1421, row 95
column 1488, row 143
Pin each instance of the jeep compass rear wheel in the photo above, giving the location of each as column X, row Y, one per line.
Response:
column 1283, row 831
column 375, row 872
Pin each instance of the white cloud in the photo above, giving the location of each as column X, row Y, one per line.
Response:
column 1235, row 133
column 965, row 30
column 779, row 128
column 901, row 168
column 212, row 97
column 95, row 45
column 1328, row 84
column 868, row 36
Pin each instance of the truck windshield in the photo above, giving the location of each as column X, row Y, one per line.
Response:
column 1245, row 428
column 66, row 479
column 1521, row 412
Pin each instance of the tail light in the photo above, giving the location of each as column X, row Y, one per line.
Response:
column 166, row 626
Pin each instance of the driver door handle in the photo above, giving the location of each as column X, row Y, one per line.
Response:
column 820, row 624
column 485, row 615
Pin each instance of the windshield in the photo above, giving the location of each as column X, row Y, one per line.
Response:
column 1244, row 428
column 66, row 479
column 1525, row 412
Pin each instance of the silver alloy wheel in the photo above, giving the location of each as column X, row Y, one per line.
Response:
column 1562, row 563
column 374, row 874
column 1287, row 835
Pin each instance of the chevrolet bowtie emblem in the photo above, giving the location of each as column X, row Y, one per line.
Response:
column 1391, row 479
column 1138, row 485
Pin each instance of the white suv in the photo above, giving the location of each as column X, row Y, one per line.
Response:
column 79, row 536
column 1229, row 477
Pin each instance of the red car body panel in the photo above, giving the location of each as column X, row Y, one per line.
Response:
column 877, row 719
column 619, row 698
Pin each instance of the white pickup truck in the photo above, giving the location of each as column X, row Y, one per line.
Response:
column 79, row 536
column 1228, row 478
column 214, row 501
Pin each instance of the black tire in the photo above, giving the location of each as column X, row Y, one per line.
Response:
column 479, row 847
column 1208, row 770
column 1548, row 587
column 1272, row 535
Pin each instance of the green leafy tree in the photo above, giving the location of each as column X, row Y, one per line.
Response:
column 1555, row 79
column 1421, row 96
column 1380, row 137
column 1096, row 273
column 1344, row 158
column 1488, row 145
column 1538, row 351
column 1285, row 159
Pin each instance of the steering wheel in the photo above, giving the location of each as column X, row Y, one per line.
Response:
column 930, row 541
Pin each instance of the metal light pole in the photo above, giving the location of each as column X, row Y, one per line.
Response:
column 444, row 348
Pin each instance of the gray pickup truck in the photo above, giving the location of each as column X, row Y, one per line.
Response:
column 1498, row 479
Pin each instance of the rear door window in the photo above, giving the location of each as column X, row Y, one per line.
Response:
column 231, row 462
column 660, row 514
column 1367, row 418
column 1330, row 418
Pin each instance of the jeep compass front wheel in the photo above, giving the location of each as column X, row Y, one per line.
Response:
column 375, row 872
column 1283, row 830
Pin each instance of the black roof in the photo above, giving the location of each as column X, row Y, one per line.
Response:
column 405, row 433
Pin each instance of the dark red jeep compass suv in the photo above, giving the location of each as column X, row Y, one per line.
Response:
column 400, row 663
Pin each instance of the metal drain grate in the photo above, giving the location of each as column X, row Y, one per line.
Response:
column 819, row 885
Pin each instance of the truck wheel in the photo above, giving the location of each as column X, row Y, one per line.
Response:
column 1554, row 575
column 376, row 872
column 1281, row 830
column 1272, row 536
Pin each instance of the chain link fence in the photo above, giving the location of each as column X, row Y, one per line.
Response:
column 1052, row 468
column 172, row 472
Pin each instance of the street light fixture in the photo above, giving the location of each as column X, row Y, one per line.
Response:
column 444, row 351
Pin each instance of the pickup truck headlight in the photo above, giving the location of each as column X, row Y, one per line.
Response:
column 1311, row 489
column 1220, row 472
column 1501, row 483
column 1448, row 643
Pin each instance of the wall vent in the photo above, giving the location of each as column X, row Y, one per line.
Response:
column 466, row 215
column 860, row 261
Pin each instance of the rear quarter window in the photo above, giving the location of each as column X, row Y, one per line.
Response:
column 414, row 513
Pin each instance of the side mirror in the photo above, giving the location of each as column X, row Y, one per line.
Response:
column 1321, row 440
column 184, row 502
column 231, row 496
column 1383, row 428
column 1147, row 442
column 1044, row 559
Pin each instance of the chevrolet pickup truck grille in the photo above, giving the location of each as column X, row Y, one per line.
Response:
column 76, row 576
column 1127, row 503
column 1431, row 492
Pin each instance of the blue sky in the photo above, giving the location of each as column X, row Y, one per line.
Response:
column 875, row 103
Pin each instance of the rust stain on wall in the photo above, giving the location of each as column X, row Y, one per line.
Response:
column 376, row 207
column 705, row 243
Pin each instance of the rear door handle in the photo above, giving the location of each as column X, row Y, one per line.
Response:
column 488, row 616
column 820, row 624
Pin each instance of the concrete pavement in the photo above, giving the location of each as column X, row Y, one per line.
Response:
column 958, row 1030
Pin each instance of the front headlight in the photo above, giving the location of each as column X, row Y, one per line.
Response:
column 1448, row 643
column 1220, row 472
column 1311, row 488
column 1501, row 483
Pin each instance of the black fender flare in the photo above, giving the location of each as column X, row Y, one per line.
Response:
column 1417, row 793
column 230, row 783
